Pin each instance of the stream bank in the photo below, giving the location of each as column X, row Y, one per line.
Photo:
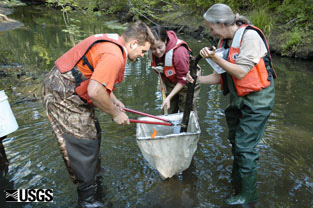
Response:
column 183, row 21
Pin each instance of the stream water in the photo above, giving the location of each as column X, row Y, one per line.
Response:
column 285, row 174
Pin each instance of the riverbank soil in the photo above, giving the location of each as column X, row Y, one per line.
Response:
column 279, row 40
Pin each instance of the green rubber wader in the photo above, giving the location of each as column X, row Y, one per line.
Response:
column 246, row 118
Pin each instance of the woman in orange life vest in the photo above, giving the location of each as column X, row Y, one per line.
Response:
column 170, row 59
column 81, row 79
column 248, row 78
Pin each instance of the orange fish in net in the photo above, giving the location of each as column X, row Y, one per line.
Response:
column 154, row 133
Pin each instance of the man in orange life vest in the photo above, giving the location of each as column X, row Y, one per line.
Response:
column 81, row 79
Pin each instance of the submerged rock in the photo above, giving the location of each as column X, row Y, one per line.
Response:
column 8, row 24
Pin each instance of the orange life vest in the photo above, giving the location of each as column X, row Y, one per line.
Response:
column 70, row 59
column 168, row 67
column 259, row 77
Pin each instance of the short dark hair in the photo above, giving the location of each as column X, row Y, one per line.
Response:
column 160, row 33
column 138, row 31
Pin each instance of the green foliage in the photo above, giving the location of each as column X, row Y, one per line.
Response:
column 69, row 5
column 298, row 11
column 262, row 19
column 287, row 13
column 200, row 6
column 295, row 17
column 114, row 6
column 294, row 39
column 75, row 31
column 72, row 24
column 140, row 8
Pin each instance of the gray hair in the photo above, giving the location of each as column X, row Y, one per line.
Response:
column 222, row 13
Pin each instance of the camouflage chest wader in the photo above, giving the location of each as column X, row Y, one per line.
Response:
column 246, row 117
column 75, row 126
column 179, row 100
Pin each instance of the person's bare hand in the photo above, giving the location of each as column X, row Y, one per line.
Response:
column 121, row 118
column 167, row 103
column 206, row 52
column 189, row 77
column 119, row 105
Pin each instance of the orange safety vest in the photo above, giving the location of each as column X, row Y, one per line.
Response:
column 169, row 68
column 70, row 59
column 259, row 77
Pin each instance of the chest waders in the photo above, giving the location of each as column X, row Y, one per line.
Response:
column 71, row 114
column 179, row 100
column 246, row 118
column 78, row 134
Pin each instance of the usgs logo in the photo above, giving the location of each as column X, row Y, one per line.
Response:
column 29, row 195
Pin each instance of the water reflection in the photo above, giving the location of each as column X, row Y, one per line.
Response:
column 285, row 167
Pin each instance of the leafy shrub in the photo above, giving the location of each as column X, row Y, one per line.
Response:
column 262, row 19
column 300, row 11
column 294, row 39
